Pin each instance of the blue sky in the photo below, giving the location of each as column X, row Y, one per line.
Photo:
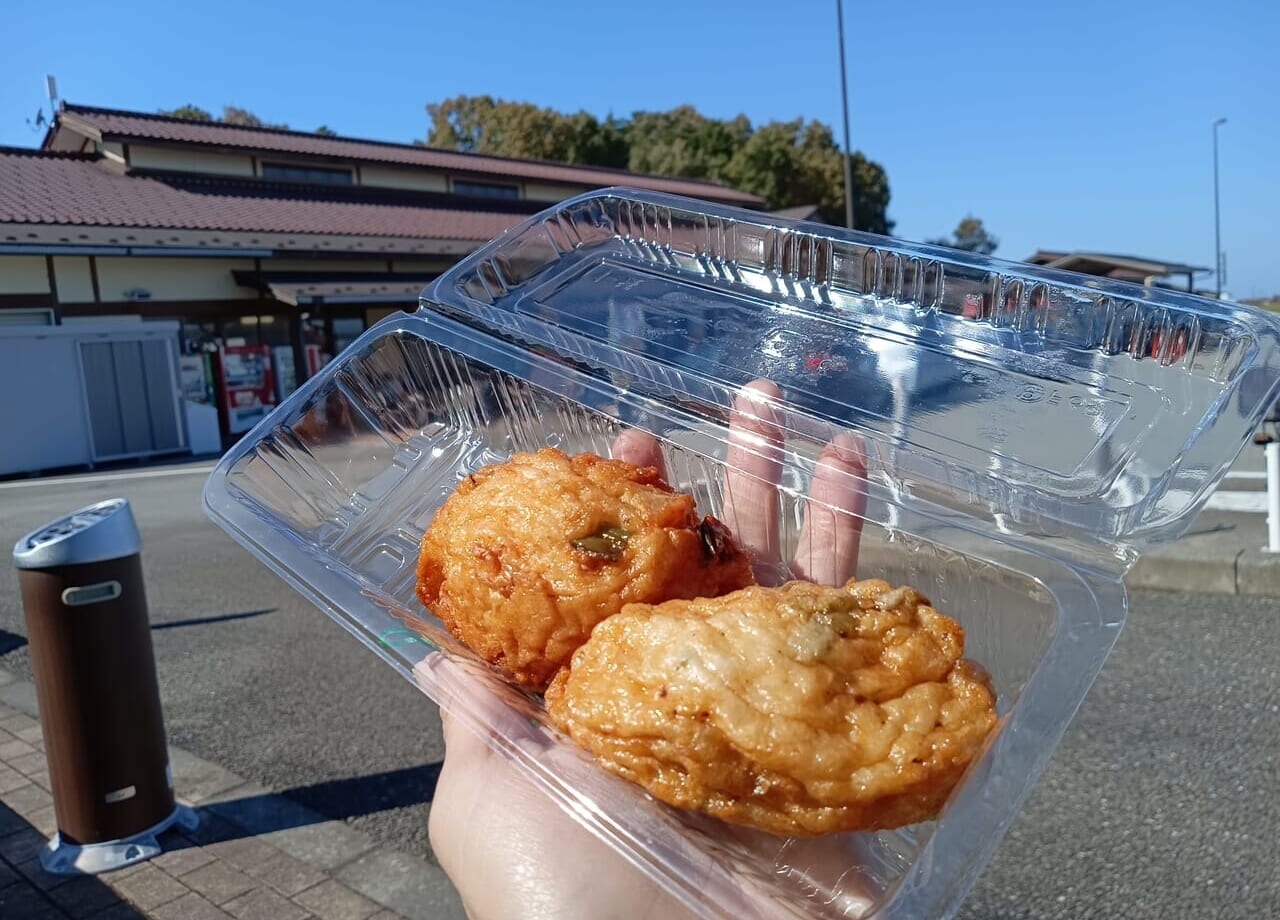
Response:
column 1076, row 126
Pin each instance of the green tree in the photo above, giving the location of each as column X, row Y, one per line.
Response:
column 785, row 163
column 597, row 143
column 797, row 163
column 232, row 115
column 871, row 196
column 971, row 236
column 459, row 124
column 482, row 124
column 326, row 131
column 189, row 112
column 769, row 164
column 683, row 142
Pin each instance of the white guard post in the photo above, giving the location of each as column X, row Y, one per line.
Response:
column 1273, row 495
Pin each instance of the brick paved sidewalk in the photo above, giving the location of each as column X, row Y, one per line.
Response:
column 229, row 867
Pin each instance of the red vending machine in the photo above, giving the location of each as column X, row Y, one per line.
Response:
column 246, row 391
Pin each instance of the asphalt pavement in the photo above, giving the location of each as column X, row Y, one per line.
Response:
column 1161, row 801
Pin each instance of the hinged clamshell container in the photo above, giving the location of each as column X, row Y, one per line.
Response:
column 1029, row 433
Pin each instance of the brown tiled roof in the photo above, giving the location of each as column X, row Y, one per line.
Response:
column 1111, row 264
column 1114, row 265
column 114, row 124
column 1044, row 256
column 800, row 212
column 39, row 187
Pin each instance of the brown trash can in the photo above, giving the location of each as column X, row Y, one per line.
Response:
column 95, row 676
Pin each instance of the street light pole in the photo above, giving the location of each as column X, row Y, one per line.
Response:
column 844, row 101
column 1217, row 224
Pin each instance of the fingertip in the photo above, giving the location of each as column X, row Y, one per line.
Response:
column 640, row 449
column 757, row 401
column 753, row 469
column 761, row 388
column 849, row 450
column 756, row 420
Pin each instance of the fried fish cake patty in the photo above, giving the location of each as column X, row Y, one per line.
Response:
column 527, row 556
column 799, row 710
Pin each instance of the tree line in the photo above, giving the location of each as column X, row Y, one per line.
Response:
column 234, row 115
column 787, row 163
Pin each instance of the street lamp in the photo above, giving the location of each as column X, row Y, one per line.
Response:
column 1217, row 224
column 844, row 100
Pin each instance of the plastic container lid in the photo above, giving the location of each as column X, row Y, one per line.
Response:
column 104, row 530
column 1028, row 432
column 1072, row 407
column 1095, row 414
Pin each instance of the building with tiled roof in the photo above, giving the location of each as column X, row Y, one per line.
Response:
column 255, row 238
column 76, row 124
column 1136, row 269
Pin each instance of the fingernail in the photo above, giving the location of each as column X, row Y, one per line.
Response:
column 758, row 400
column 758, row 388
column 849, row 449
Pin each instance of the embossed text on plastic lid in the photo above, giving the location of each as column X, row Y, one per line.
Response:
column 101, row 531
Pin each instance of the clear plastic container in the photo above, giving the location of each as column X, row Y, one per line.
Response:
column 1029, row 433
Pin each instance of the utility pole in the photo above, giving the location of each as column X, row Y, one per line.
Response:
column 1217, row 223
column 844, row 99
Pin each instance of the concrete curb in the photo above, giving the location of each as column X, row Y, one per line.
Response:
column 1201, row 569
column 1193, row 565
column 395, row 880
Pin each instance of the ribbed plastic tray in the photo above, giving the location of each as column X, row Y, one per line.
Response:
column 1028, row 433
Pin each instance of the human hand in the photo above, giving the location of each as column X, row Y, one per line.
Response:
column 509, row 849
column 827, row 551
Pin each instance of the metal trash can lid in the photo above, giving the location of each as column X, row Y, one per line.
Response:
column 105, row 530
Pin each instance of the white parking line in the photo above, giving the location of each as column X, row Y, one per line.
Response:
column 105, row 477
column 1255, row 502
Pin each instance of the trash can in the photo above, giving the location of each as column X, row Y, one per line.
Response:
column 95, row 676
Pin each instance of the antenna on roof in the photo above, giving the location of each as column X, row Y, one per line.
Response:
column 51, row 89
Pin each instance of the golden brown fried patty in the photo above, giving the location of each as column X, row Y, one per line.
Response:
column 799, row 710
column 527, row 556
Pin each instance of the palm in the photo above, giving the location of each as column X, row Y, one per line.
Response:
column 508, row 848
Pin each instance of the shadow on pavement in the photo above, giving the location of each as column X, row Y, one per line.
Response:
column 30, row 893
column 10, row 641
column 360, row 795
column 335, row 800
column 201, row 621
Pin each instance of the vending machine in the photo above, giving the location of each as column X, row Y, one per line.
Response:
column 200, row 403
column 286, row 375
column 246, row 391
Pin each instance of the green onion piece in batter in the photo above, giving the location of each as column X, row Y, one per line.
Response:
column 609, row 543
